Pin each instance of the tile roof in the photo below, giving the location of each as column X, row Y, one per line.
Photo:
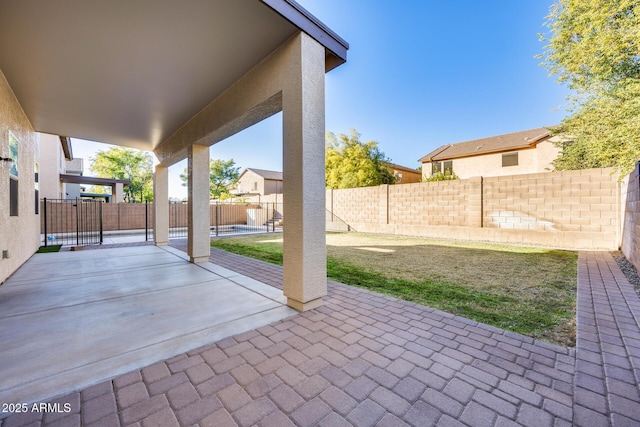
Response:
column 266, row 174
column 403, row 168
column 493, row 144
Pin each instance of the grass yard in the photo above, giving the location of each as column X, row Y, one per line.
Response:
column 48, row 249
column 526, row 290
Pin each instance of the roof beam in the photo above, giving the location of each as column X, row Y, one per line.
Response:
column 305, row 21
column 66, row 147
column 91, row 180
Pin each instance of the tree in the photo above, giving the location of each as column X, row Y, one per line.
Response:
column 594, row 48
column 440, row 176
column 352, row 163
column 222, row 176
column 126, row 163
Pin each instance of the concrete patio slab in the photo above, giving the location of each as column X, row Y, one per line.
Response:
column 86, row 262
column 110, row 311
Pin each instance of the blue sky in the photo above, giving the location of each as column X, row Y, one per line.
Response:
column 419, row 74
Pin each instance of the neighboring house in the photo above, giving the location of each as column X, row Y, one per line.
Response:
column 403, row 174
column 61, row 176
column 55, row 151
column 56, row 159
column 529, row 151
column 258, row 182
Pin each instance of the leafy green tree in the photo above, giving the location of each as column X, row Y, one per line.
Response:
column 222, row 175
column 594, row 48
column 352, row 163
column 126, row 163
column 440, row 176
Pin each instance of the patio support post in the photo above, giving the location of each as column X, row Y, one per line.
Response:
column 198, row 205
column 305, row 279
column 117, row 191
column 161, row 205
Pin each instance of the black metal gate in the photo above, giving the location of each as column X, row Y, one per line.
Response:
column 244, row 218
column 230, row 218
column 73, row 222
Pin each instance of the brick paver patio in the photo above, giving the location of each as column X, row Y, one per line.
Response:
column 607, row 374
column 365, row 359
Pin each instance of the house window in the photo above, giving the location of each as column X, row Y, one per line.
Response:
column 509, row 159
column 436, row 167
column 13, row 154
column 13, row 196
column 36, row 169
column 13, row 175
column 254, row 186
column 448, row 168
column 442, row 167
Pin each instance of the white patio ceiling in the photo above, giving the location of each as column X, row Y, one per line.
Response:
column 131, row 73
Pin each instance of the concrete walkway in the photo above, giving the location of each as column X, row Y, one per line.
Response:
column 366, row 359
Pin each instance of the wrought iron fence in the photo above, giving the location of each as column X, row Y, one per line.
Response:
column 228, row 218
column 81, row 222
column 75, row 222
column 178, row 220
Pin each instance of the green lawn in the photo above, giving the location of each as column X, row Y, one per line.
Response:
column 525, row 290
column 50, row 248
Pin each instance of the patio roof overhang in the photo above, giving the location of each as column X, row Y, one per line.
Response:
column 92, row 180
column 133, row 73
column 175, row 78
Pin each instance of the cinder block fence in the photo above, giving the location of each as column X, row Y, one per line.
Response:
column 631, row 218
column 586, row 209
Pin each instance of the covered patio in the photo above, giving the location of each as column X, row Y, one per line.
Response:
column 172, row 78
column 175, row 78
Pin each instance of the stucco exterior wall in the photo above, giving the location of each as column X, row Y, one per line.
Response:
column 571, row 209
column 546, row 153
column 272, row 187
column 269, row 198
column 19, row 235
column 531, row 160
column 406, row 177
column 51, row 166
column 250, row 182
column 74, row 166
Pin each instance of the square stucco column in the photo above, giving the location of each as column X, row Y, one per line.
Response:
column 161, row 205
column 198, row 205
column 117, row 192
column 305, row 277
